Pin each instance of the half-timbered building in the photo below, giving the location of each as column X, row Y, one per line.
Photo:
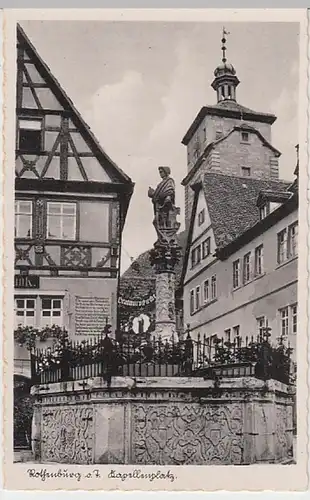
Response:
column 71, row 202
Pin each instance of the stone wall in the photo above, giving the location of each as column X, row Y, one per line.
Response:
column 163, row 421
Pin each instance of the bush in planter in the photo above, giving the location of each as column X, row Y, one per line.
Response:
column 28, row 335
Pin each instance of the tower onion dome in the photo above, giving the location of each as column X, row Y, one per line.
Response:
column 225, row 81
column 224, row 68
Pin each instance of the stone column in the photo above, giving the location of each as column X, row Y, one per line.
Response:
column 165, row 326
column 166, row 253
column 164, row 258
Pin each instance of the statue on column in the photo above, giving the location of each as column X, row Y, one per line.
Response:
column 165, row 211
column 166, row 250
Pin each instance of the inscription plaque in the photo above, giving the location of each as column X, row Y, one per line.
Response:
column 92, row 314
column 21, row 281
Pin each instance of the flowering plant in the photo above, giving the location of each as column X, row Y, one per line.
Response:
column 28, row 335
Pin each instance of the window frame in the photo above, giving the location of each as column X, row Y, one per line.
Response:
column 284, row 321
column 28, row 118
column 291, row 254
column 197, row 297
column 38, row 321
column 246, row 171
column 61, row 216
column 17, row 213
column 206, row 243
column 236, row 275
column 192, row 301
column 247, row 268
column 213, row 287
column 294, row 324
column 201, row 217
column 24, row 323
column 245, row 136
column 264, row 210
column 51, row 309
column 206, row 287
column 236, row 333
column 261, row 325
column 227, row 334
column 196, row 256
column 282, row 254
column 261, row 260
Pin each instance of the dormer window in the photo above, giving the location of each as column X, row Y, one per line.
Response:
column 30, row 135
column 244, row 136
column 264, row 210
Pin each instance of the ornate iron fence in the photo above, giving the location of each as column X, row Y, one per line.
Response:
column 210, row 358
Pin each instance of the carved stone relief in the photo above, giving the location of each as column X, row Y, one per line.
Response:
column 67, row 434
column 177, row 434
column 281, row 436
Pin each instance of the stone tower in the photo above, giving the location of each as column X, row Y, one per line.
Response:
column 227, row 137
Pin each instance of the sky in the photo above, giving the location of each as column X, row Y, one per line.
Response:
column 139, row 85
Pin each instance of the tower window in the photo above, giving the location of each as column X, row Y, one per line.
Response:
column 246, row 171
column 229, row 91
column 244, row 137
column 30, row 138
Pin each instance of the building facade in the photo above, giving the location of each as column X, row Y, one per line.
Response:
column 240, row 275
column 71, row 202
column 240, row 265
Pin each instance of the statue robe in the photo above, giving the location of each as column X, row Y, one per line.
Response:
column 164, row 189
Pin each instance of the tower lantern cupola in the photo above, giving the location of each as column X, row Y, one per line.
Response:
column 225, row 81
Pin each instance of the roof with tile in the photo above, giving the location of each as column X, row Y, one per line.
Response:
column 232, row 203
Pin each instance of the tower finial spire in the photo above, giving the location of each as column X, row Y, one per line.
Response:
column 225, row 81
column 223, row 44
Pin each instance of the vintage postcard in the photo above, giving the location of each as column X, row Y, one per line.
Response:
column 155, row 221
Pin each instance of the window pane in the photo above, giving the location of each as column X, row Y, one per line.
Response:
column 56, row 304
column 20, row 303
column 46, row 313
column 24, row 207
column 68, row 231
column 54, row 229
column 30, row 124
column 24, row 226
column 56, row 313
column 29, row 313
column 69, row 208
column 19, row 313
column 46, row 303
column 30, row 303
column 54, row 208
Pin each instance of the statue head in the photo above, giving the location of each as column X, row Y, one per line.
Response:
column 164, row 171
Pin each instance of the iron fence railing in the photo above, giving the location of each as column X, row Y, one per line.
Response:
column 203, row 356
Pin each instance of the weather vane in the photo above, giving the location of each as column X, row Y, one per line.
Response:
column 223, row 44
